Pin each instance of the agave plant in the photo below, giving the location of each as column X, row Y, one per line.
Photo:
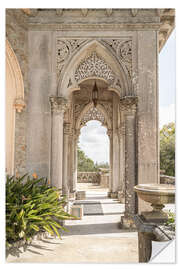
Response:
column 31, row 206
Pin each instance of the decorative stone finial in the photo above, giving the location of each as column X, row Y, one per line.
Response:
column 19, row 104
column 134, row 11
column 84, row 11
column 59, row 11
column 108, row 11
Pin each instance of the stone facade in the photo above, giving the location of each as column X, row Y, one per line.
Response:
column 62, row 53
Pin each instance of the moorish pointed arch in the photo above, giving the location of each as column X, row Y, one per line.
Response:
column 90, row 59
column 89, row 112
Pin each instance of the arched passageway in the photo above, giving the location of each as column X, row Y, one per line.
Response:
column 93, row 155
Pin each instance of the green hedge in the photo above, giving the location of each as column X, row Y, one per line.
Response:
column 31, row 206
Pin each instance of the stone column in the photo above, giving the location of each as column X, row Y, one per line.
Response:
column 121, row 193
column 129, row 107
column 65, row 188
column 58, row 106
column 110, row 134
column 115, row 165
column 71, row 163
column 147, row 92
column 76, row 136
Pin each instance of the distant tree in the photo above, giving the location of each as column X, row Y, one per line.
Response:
column 85, row 164
column 103, row 165
column 167, row 149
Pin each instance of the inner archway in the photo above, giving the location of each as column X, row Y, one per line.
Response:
column 93, row 157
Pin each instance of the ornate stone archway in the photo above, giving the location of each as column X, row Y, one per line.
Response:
column 116, row 109
column 67, row 51
column 14, row 103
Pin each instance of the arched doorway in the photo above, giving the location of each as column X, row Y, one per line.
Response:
column 93, row 157
column 115, row 107
column 14, row 102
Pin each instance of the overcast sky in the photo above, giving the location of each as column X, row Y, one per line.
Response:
column 94, row 140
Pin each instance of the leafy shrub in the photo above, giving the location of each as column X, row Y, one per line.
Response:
column 32, row 206
column 171, row 220
column 167, row 149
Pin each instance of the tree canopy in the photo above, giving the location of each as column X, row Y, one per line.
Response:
column 85, row 164
column 167, row 149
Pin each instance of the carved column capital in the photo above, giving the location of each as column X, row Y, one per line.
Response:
column 19, row 104
column 128, row 104
column 58, row 104
column 67, row 128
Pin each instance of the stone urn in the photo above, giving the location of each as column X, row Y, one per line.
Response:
column 158, row 195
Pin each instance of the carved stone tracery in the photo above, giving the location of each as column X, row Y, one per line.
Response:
column 123, row 51
column 94, row 66
column 128, row 104
column 93, row 114
column 64, row 49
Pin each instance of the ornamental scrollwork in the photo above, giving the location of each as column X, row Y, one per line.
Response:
column 94, row 66
column 123, row 51
column 128, row 104
column 64, row 49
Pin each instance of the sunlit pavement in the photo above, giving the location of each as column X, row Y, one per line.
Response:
column 97, row 238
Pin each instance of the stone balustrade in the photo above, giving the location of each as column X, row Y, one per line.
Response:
column 88, row 177
column 101, row 177
column 165, row 179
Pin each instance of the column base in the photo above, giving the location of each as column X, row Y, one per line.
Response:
column 113, row 195
column 127, row 222
column 72, row 195
column 121, row 197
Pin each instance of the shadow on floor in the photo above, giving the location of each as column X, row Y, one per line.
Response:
column 88, row 229
column 16, row 252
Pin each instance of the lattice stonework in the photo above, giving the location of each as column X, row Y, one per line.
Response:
column 94, row 66
column 64, row 49
column 93, row 114
column 123, row 50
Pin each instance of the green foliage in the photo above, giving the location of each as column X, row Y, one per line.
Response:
column 86, row 164
column 171, row 220
column 32, row 206
column 104, row 165
column 167, row 149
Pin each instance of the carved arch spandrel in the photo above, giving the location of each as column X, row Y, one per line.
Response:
column 67, row 82
column 102, row 116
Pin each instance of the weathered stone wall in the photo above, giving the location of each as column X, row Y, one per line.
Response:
column 16, row 33
column 147, row 115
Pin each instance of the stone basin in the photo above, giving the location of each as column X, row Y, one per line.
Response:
column 157, row 195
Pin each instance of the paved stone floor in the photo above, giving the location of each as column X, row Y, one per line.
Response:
column 94, row 239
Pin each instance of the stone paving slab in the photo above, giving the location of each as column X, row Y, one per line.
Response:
column 94, row 239
column 77, row 249
column 91, row 208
